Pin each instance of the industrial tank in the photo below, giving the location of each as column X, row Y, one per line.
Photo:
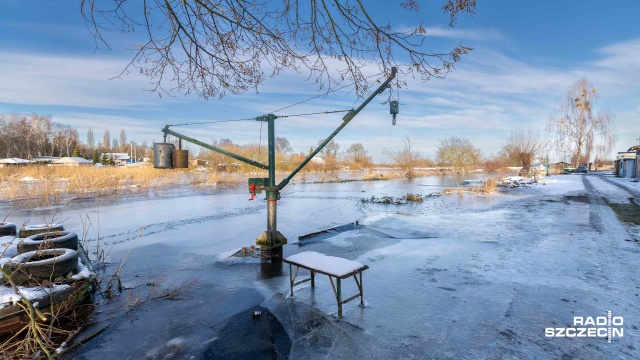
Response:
column 180, row 159
column 162, row 155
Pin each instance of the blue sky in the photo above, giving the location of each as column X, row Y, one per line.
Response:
column 525, row 56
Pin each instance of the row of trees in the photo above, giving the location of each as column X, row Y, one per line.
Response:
column 26, row 136
column 37, row 135
column 577, row 134
column 356, row 156
column 110, row 145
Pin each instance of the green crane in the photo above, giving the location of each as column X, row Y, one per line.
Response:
column 271, row 240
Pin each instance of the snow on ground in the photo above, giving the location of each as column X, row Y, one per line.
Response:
column 9, row 297
column 453, row 277
column 329, row 264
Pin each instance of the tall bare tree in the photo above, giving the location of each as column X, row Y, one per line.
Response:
column 123, row 140
column 358, row 156
column 405, row 157
column 524, row 146
column 106, row 139
column 282, row 145
column 90, row 139
column 602, row 147
column 213, row 47
column 577, row 128
column 458, row 153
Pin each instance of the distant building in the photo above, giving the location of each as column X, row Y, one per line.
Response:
column 44, row 159
column 119, row 158
column 13, row 162
column 198, row 162
column 558, row 168
column 626, row 164
column 72, row 161
column 318, row 160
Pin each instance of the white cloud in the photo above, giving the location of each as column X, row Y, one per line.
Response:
column 55, row 80
column 488, row 95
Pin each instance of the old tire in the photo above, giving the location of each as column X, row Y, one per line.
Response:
column 8, row 229
column 36, row 266
column 49, row 240
column 29, row 230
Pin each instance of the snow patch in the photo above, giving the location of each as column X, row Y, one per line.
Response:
column 9, row 297
column 83, row 272
column 333, row 265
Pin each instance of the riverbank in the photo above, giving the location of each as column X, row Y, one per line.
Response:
column 41, row 186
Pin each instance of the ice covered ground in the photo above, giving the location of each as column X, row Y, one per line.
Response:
column 452, row 277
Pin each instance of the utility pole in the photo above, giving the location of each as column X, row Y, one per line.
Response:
column 271, row 241
column 547, row 164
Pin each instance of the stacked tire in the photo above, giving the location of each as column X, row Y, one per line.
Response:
column 8, row 229
column 29, row 230
column 46, row 254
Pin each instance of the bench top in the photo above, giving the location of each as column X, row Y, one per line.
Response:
column 328, row 265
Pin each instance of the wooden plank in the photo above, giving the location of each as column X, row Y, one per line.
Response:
column 351, row 298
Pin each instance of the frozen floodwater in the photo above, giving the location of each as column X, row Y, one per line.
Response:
column 452, row 277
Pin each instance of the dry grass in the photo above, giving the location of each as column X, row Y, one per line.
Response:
column 489, row 186
column 50, row 185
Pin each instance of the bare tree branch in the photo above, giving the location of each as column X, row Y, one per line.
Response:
column 216, row 47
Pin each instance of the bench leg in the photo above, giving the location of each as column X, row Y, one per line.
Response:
column 361, row 290
column 339, row 296
column 313, row 279
column 291, row 279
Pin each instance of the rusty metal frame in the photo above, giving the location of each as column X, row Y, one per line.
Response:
column 337, row 287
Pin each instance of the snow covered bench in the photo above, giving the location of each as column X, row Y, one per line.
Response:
column 332, row 266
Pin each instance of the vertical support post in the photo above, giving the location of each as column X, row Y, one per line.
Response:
column 291, row 279
column 313, row 279
column 272, row 192
column 339, row 296
column 271, row 241
column 361, row 290
column 547, row 165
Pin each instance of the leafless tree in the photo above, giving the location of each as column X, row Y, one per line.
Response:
column 69, row 140
column 602, row 147
column 358, row 156
column 458, row 153
column 215, row 47
column 524, row 146
column 90, row 139
column 576, row 128
column 106, row 140
column 330, row 154
column 282, row 145
column 407, row 158
column 28, row 136
column 123, row 140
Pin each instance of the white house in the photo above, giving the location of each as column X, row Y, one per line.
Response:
column 626, row 163
column 13, row 162
column 119, row 158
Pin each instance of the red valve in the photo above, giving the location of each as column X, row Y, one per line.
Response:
column 252, row 189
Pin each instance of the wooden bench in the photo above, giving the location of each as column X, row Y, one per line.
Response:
column 332, row 266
